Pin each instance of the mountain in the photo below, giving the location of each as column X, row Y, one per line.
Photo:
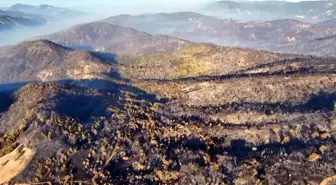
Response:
column 8, row 22
column 105, row 37
column 200, row 62
column 43, row 60
column 331, row 22
column 188, row 25
column 21, row 14
column 198, row 115
column 311, row 11
column 47, row 12
column 268, row 35
column 319, row 46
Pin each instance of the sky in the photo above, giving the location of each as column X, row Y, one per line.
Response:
column 105, row 5
column 71, row 3
column 117, row 6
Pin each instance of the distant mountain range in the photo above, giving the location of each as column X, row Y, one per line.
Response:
column 105, row 37
column 23, row 16
column 311, row 11
column 331, row 22
column 277, row 35
column 10, row 20
column 9, row 23
column 47, row 12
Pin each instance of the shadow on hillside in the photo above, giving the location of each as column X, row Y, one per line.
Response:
column 242, row 149
column 322, row 101
column 85, row 105
column 105, row 56
column 312, row 67
column 301, row 71
column 325, row 38
column 11, row 87
column 278, row 63
column 5, row 101
column 6, row 90
column 81, row 104
column 112, row 87
column 82, row 47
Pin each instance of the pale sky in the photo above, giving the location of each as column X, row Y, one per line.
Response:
column 71, row 3
column 106, row 5
column 113, row 7
column 105, row 2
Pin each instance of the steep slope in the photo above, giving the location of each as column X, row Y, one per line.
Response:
column 105, row 37
column 231, row 115
column 311, row 11
column 44, row 60
column 269, row 35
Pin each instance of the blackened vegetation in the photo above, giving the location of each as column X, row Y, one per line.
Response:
column 100, row 131
column 319, row 102
column 123, row 136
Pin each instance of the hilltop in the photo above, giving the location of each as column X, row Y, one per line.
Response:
column 44, row 60
column 105, row 37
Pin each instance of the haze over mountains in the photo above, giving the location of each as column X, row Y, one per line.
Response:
column 105, row 37
column 155, row 99
column 331, row 22
column 35, row 20
column 310, row 11
column 8, row 22
column 277, row 35
column 48, row 12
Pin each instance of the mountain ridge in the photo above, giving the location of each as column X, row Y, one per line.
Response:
column 48, row 12
column 267, row 35
column 8, row 22
column 310, row 11
column 45, row 60
column 105, row 37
